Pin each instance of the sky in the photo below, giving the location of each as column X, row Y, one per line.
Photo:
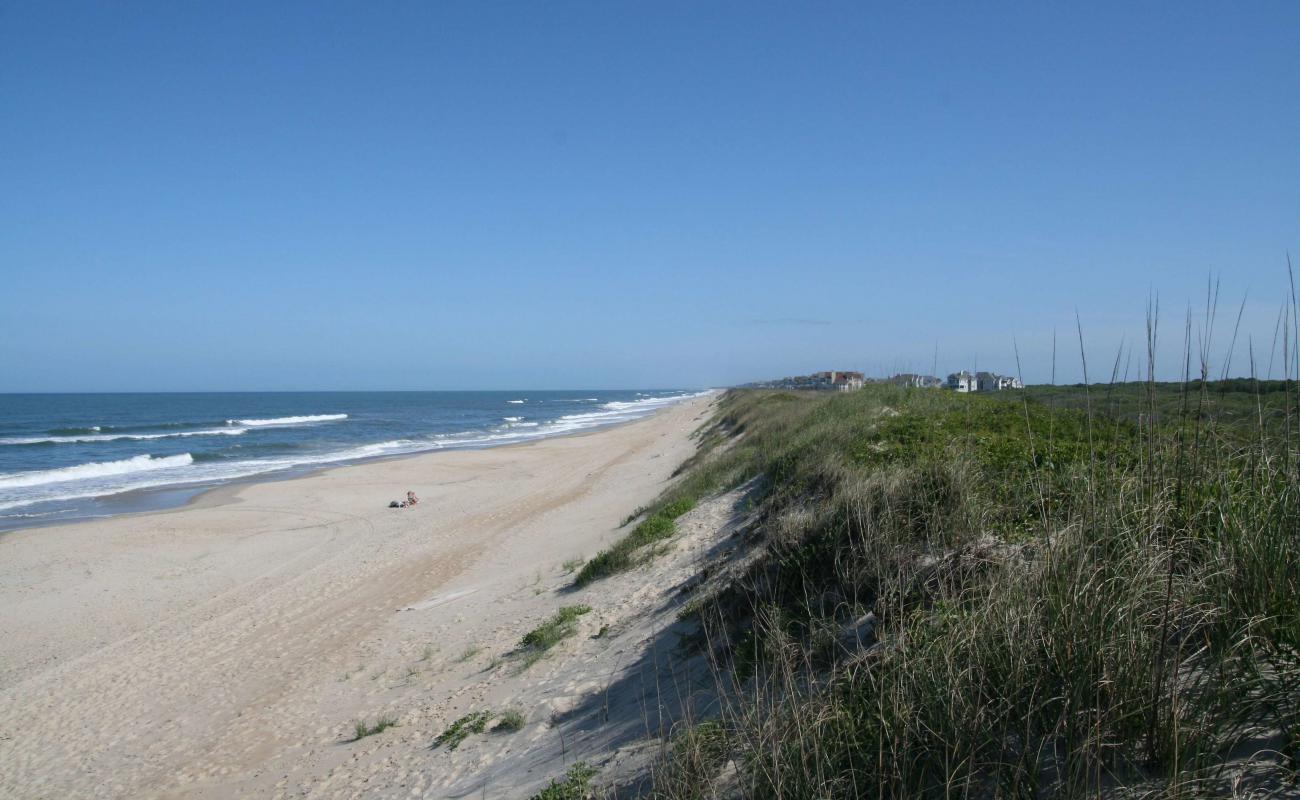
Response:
column 327, row 195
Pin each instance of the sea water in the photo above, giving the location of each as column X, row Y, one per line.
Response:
column 73, row 456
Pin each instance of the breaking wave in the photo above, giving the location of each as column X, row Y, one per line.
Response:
column 307, row 420
column 111, row 437
column 95, row 469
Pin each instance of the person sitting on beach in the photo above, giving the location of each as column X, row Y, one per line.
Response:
column 411, row 499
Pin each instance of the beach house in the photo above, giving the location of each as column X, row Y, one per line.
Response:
column 841, row 380
column 982, row 381
column 963, row 382
column 918, row 381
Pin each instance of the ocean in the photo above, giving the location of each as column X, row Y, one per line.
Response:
column 65, row 457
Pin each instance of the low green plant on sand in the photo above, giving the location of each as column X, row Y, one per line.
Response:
column 624, row 553
column 575, row 785
column 561, row 625
column 361, row 729
column 510, row 721
column 461, row 729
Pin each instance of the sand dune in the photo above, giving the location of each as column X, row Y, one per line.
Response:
column 226, row 649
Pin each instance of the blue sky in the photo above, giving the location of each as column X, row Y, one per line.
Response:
column 204, row 196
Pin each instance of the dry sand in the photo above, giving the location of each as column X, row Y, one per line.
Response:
column 226, row 649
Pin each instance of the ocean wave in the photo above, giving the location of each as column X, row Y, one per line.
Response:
column 31, row 516
column 95, row 469
column 147, row 472
column 512, row 419
column 112, row 437
column 257, row 423
column 516, row 402
column 649, row 402
column 75, row 431
column 616, row 411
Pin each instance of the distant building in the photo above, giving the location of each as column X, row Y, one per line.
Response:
column 833, row 380
column 843, row 381
column 992, row 382
column 963, row 382
column 918, row 381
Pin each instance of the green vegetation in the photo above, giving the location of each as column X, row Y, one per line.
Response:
column 461, row 729
column 510, row 721
column 572, row 564
column 576, row 785
column 659, row 525
column 469, row 653
column 1073, row 591
column 1237, row 404
column 554, row 630
column 361, row 730
column 697, row 754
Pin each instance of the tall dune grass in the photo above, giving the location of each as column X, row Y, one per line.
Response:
column 1069, row 595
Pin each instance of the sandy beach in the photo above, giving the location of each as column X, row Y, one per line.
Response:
column 227, row 648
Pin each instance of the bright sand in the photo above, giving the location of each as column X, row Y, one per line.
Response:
column 226, row 648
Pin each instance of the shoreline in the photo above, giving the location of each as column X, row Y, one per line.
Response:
column 192, row 495
column 228, row 647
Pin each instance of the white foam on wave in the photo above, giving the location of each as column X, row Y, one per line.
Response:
column 112, row 437
column 515, row 402
column 30, row 516
column 617, row 411
column 95, row 469
column 648, row 403
column 512, row 419
column 305, row 420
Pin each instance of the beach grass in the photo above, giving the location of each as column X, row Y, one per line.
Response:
column 575, row 785
column 658, row 526
column 361, row 729
column 554, row 630
column 1062, row 592
column 509, row 721
column 462, row 729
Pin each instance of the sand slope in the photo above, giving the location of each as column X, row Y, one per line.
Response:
column 227, row 648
